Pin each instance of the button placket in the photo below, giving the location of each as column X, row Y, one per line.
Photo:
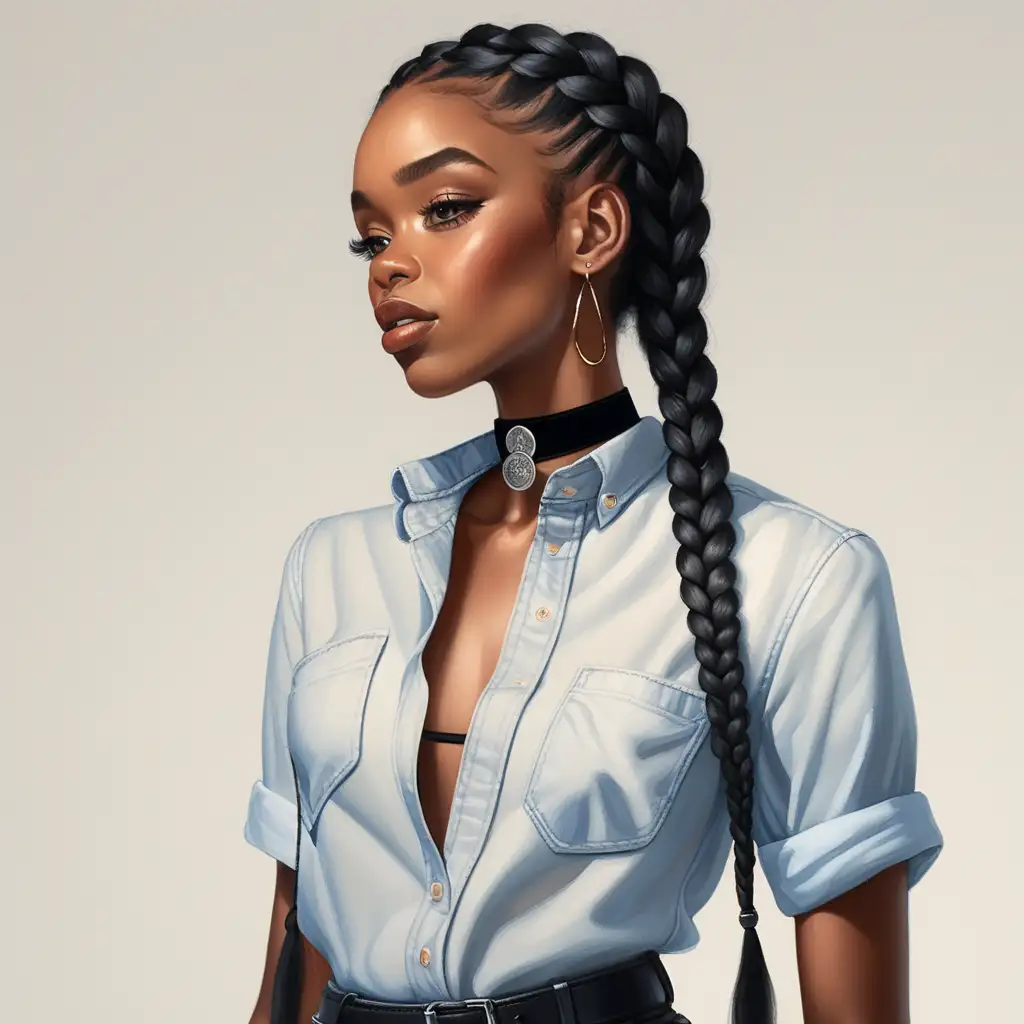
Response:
column 431, row 558
column 558, row 529
column 535, row 623
column 536, row 618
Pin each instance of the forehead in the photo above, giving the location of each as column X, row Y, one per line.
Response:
column 416, row 120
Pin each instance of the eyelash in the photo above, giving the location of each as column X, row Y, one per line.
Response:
column 365, row 247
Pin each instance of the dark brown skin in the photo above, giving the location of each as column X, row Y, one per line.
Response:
column 315, row 970
column 504, row 288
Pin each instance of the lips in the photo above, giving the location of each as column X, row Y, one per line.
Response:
column 392, row 312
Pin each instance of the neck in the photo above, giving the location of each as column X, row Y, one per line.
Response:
column 538, row 389
column 532, row 447
column 566, row 433
column 551, row 380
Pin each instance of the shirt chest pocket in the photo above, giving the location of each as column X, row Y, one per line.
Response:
column 613, row 759
column 326, row 708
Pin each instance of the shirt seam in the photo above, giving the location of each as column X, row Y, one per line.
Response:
column 793, row 506
column 447, row 492
column 298, row 567
column 775, row 652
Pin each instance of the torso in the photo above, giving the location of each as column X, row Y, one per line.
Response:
column 460, row 657
column 584, row 818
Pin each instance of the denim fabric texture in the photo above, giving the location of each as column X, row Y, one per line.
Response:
column 589, row 820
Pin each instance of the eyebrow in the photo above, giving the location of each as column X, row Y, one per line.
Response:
column 417, row 169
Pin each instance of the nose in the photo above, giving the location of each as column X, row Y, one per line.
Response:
column 393, row 265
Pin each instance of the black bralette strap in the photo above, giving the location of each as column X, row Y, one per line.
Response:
column 444, row 737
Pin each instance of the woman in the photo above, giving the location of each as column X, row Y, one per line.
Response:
column 521, row 748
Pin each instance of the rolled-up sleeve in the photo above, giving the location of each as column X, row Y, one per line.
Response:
column 271, row 822
column 835, row 752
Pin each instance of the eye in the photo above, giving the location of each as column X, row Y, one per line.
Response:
column 450, row 211
column 366, row 248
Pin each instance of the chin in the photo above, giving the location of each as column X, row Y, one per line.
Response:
column 433, row 376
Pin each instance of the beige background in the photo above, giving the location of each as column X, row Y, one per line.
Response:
column 191, row 373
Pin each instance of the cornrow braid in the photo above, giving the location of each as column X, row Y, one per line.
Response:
column 611, row 110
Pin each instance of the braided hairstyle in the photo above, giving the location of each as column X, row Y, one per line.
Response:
column 611, row 110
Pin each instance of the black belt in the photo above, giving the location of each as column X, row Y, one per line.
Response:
column 627, row 990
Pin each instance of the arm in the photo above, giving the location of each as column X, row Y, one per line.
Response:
column 271, row 822
column 852, row 954
column 315, row 970
column 842, row 831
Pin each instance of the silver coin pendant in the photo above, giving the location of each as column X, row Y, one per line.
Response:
column 521, row 439
column 519, row 471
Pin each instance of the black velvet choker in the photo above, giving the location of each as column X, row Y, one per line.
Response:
column 524, row 442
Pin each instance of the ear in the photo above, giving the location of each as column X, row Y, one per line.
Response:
column 598, row 222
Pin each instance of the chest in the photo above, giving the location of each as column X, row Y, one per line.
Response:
column 462, row 651
column 560, row 653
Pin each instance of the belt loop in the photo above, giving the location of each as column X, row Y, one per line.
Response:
column 564, row 997
column 335, row 1008
column 666, row 981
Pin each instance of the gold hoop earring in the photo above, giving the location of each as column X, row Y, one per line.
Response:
column 576, row 315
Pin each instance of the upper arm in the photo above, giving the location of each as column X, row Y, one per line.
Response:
column 271, row 824
column 272, row 821
column 835, row 744
column 842, row 831
column 865, row 931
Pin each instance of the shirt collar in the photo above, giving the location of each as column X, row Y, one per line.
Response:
column 428, row 491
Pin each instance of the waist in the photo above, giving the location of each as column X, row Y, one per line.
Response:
column 633, row 989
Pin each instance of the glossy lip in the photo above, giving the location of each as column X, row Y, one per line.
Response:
column 395, row 339
column 401, row 338
column 389, row 310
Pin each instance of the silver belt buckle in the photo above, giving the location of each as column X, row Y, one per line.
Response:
column 457, row 1004
column 488, row 1008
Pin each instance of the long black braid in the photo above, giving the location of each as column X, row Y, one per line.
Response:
column 612, row 108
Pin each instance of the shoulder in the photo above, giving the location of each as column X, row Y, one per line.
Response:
column 795, row 562
column 756, row 501
column 335, row 532
column 341, row 540
column 773, row 530
column 788, row 555
column 771, row 525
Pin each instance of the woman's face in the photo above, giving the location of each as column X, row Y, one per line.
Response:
column 466, row 240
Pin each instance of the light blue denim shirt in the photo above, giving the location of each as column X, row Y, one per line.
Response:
column 589, row 820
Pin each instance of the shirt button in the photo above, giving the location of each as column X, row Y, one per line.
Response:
column 610, row 500
column 425, row 956
column 543, row 613
column 568, row 491
column 517, row 682
column 436, row 889
column 553, row 548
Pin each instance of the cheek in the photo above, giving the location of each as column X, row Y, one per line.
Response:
column 502, row 281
